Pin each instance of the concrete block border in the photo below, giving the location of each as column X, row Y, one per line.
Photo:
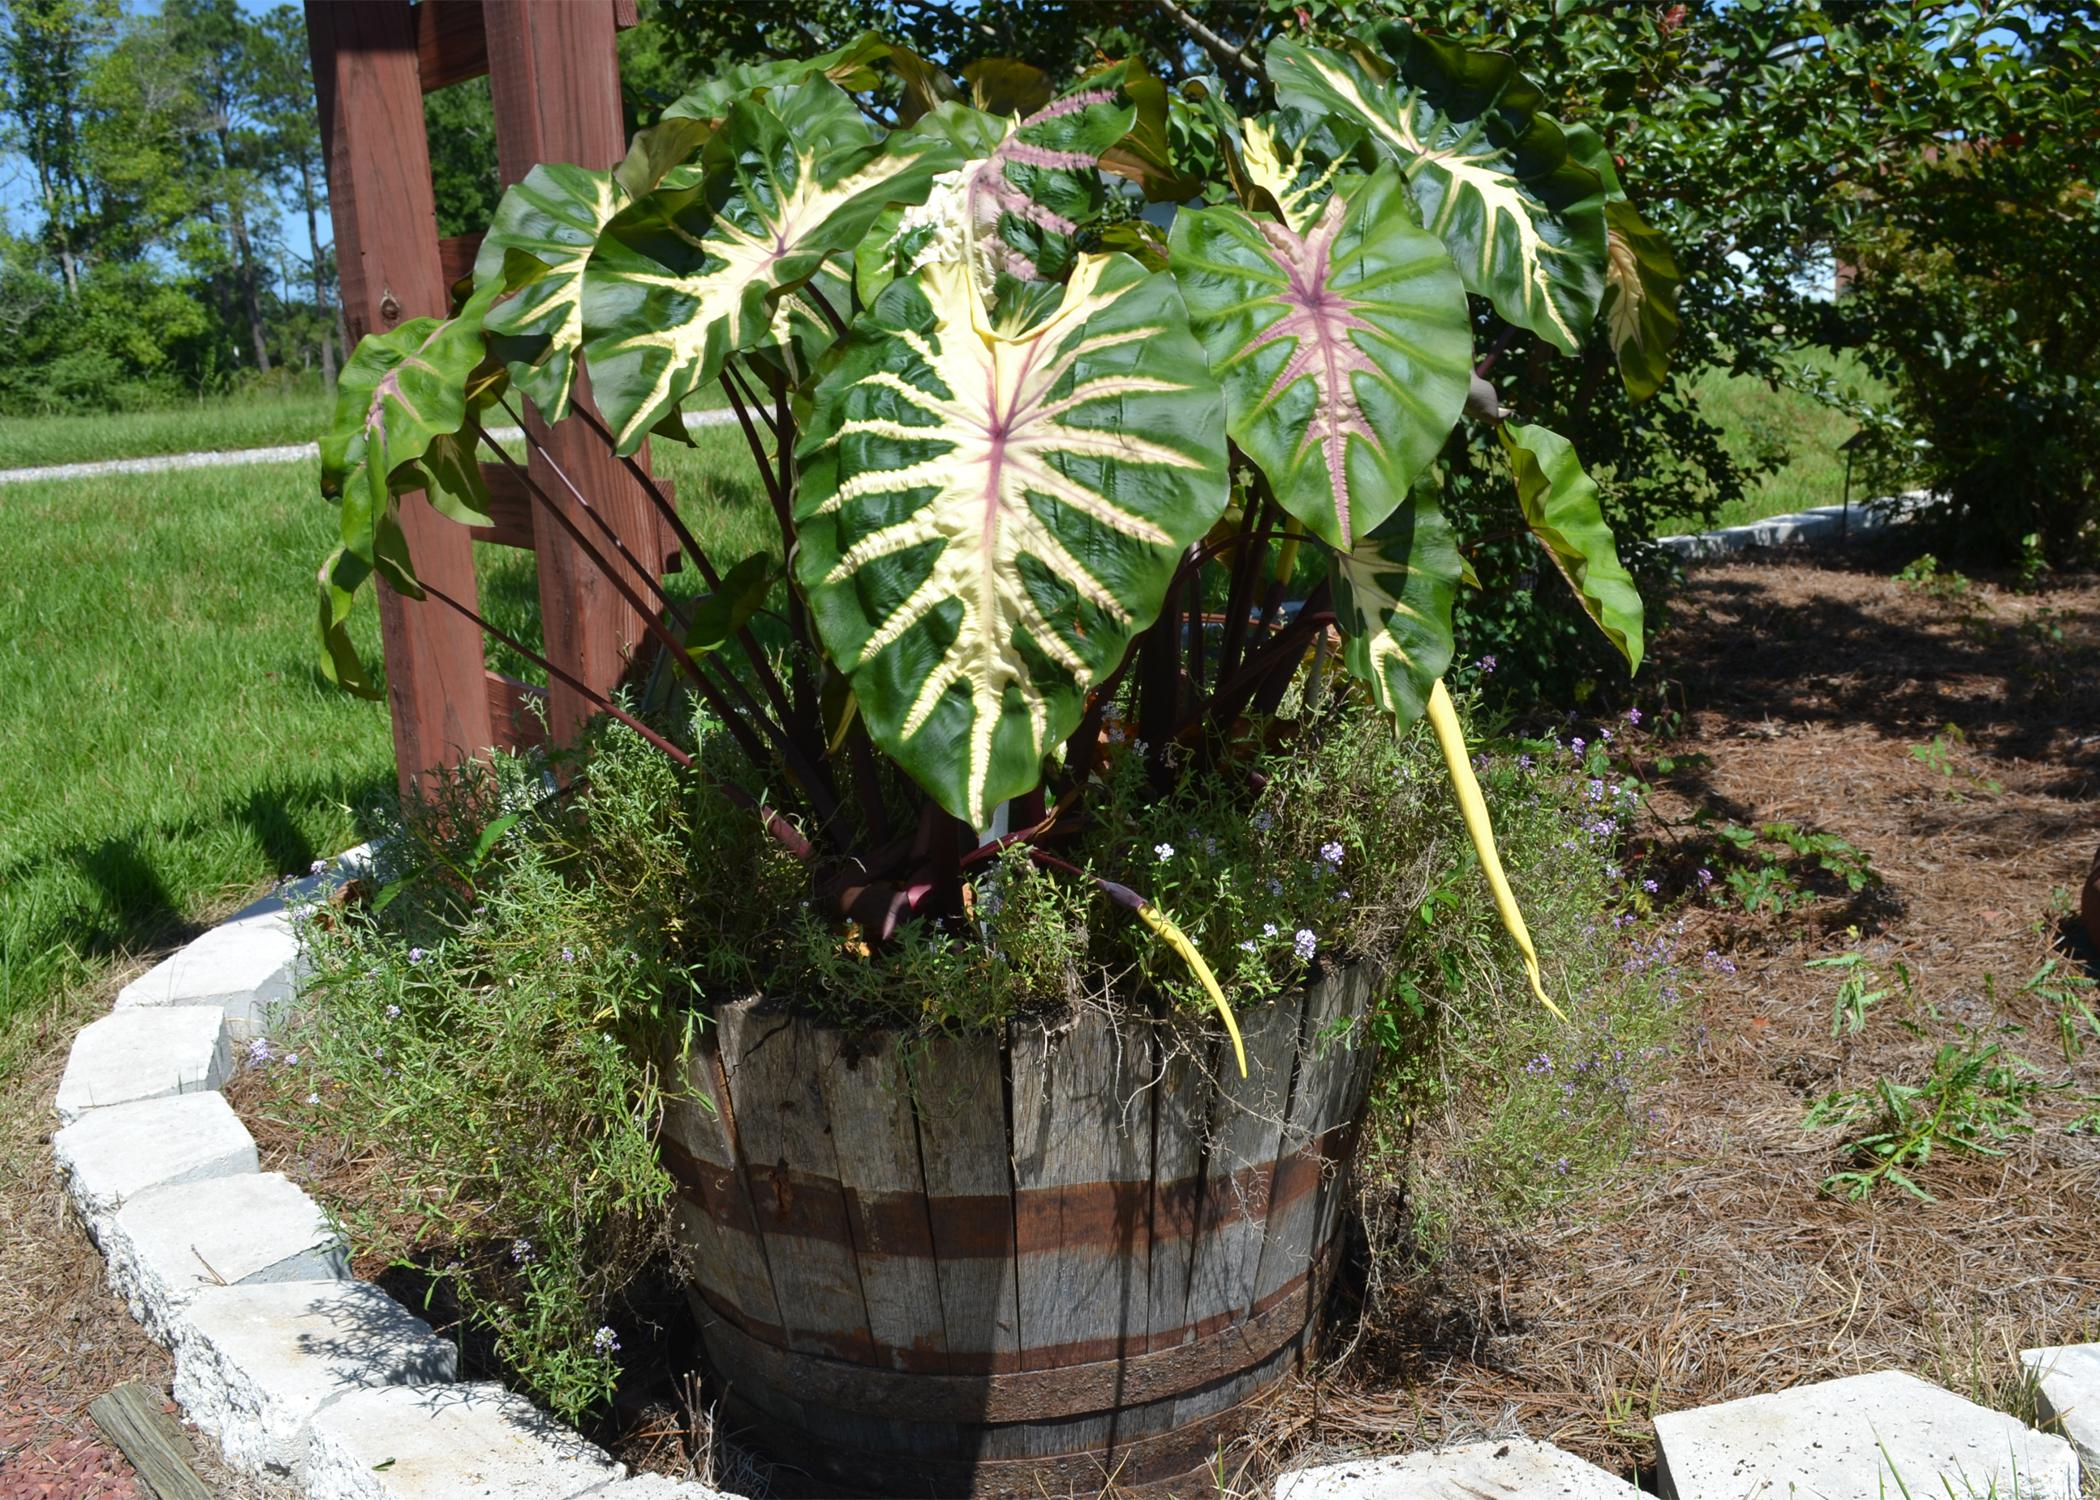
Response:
column 295, row 1370
column 298, row 1371
column 1823, row 525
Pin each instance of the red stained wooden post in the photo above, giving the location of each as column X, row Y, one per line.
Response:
column 555, row 80
column 379, row 195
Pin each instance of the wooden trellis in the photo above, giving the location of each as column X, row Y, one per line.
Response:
column 554, row 78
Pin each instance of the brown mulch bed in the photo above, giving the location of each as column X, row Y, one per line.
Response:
column 1718, row 1269
column 64, row 1338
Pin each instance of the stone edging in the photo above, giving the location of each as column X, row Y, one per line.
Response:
column 1826, row 523
column 295, row 1369
column 291, row 1367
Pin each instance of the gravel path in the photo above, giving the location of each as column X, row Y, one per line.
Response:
column 290, row 453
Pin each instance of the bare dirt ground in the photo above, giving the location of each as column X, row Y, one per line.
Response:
column 1718, row 1269
column 64, row 1339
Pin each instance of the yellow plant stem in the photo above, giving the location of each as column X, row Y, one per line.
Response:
column 1178, row 940
column 1451, row 739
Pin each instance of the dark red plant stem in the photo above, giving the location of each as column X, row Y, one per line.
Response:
column 786, row 832
column 1159, row 689
column 1275, row 658
column 731, row 371
column 765, row 472
column 1487, row 361
column 831, row 314
column 1245, row 569
column 798, row 616
column 818, row 789
column 753, row 652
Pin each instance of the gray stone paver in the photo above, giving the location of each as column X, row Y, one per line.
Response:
column 169, row 1243
column 128, row 1056
column 1856, row 1439
column 460, row 1442
column 2069, row 1380
column 258, row 1362
column 1471, row 1471
column 114, row 1153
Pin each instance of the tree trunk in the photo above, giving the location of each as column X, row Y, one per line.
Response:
column 251, row 296
column 313, row 251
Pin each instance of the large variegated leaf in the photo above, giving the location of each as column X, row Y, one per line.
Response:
column 687, row 276
column 1560, row 506
column 1393, row 593
column 1640, row 278
column 1489, row 169
column 542, row 237
column 987, row 517
column 1295, row 160
column 1345, row 351
column 404, row 396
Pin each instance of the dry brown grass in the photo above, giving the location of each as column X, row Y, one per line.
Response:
column 64, row 1338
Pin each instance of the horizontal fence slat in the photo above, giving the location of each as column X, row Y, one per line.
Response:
column 452, row 46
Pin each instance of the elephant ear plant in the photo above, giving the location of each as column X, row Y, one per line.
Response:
column 1042, row 468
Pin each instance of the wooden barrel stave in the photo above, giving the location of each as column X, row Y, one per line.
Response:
column 891, row 1242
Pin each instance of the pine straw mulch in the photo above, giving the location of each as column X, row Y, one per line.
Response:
column 1716, row 1269
column 64, row 1337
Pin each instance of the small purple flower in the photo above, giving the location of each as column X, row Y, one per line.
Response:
column 1304, row 944
column 291, row 1059
column 1633, row 716
column 1331, row 851
column 260, row 1051
column 1163, row 852
column 1264, row 821
column 1650, row 887
column 1523, row 762
column 1247, row 945
column 1706, row 877
column 416, row 955
column 1268, row 929
column 605, row 1341
column 1613, row 872
column 521, row 1250
column 1604, row 735
column 1486, row 666
column 317, row 867
column 1578, row 745
column 393, row 1012
column 313, row 1098
column 568, row 955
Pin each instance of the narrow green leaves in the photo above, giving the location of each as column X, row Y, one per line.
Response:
column 688, row 275
column 1393, row 592
column 1490, row 170
column 1560, row 506
column 1344, row 351
column 987, row 518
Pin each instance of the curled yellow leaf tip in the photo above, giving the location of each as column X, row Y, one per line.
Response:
column 1178, row 940
column 1451, row 739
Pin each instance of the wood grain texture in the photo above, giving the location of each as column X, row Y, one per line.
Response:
column 868, row 1089
column 784, row 1142
column 1181, row 1105
column 1082, row 1118
column 554, row 79
column 959, row 1096
column 132, row 1417
column 385, row 217
column 699, row 1150
column 1319, row 1105
column 450, row 45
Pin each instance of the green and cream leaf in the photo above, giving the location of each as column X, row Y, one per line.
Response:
column 1490, row 170
column 553, row 220
column 1561, row 507
column 1394, row 592
column 1344, row 350
column 689, row 275
column 987, row 518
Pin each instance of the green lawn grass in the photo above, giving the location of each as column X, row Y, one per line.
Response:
column 1793, row 437
column 167, row 745
column 253, row 420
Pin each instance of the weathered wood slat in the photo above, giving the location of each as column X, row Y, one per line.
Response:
column 511, row 711
column 456, row 256
column 1082, row 1129
column 1180, row 1121
column 878, row 1165
column 1320, row 1104
column 1245, row 1128
column 132, row 1417
column 783, row 1139
column 959, row 1096
column 700, row 1153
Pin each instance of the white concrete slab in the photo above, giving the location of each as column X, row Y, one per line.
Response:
column 1855, row 1439
column 1470, row 1471
column 247, row 967
column 144, row 1054
column 460, row 1442
column 170, row 1243
column 2069, row 1377
column 656, row 1487
column 114, row 1153
column 258, row 1362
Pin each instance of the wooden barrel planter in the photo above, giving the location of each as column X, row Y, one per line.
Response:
column 1012, row 1265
